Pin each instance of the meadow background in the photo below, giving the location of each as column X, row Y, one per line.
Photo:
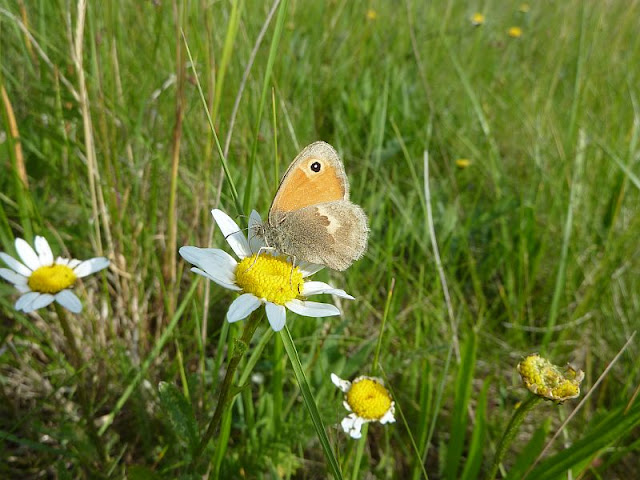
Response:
column 105, row 149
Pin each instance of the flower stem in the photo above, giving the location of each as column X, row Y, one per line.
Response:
column 510, row 432
column 85, row 383
column 226, row 391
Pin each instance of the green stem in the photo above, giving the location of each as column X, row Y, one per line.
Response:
column 355, row 473
column 510, row 432
column 85, row 383
column 227, row 393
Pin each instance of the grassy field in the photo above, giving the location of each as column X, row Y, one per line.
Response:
column 531, row 138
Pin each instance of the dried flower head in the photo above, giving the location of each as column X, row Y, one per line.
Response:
column 549, row 381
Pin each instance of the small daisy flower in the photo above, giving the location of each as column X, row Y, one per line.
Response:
column 477, row 19
column 261, row 279
column 368, row 400
column 41, row 279
column 514, row 32
column 549, row 381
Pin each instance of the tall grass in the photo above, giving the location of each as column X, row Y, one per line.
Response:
column 105, row 148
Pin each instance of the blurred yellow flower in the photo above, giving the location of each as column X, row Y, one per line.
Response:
column 372, row 14
column 524, row 8
column 515, row 32
column 463, row 162
column 477, row 19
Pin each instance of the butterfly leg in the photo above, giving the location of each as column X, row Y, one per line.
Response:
column 293, row 266
column 260, row 251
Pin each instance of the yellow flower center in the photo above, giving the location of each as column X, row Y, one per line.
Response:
column 269, row 277
column 51, row 279
column 547, row 380
column 368, row 399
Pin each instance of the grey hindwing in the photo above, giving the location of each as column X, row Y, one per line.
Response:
column 309, row 235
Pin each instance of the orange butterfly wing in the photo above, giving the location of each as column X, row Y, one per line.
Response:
column 302, row 186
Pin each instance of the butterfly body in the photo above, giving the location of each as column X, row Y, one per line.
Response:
column 311, row 217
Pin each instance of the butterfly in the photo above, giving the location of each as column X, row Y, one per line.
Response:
column 311, row 217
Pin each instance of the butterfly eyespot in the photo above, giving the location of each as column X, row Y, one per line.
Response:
column 315, row 167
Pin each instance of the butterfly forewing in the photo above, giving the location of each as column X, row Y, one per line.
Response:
column 315, row 176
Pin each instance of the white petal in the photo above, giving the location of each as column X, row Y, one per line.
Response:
column 254, row 218
column 15, row 278
column 73, row 263
column 23, row 288
column 352, row 424
column 91, row 266
column 276, row 314
column 42, row 301
column 217, row 279
column 15, row 265
column 217, row 263
column 69, row 300
column 44, row 251
column 255, row 242
column 343, row 385
column 346, row 405
column 242, row 307
column 232, row 233
column 308, row 269
column 315, row 288
column 26, row 300
column 388, row 417
column 312, row 309
column 28, row 256
column 69, row 262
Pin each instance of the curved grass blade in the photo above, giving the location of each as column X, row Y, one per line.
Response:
column 310, row 402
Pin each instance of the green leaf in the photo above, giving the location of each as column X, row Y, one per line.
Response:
column 180, row 414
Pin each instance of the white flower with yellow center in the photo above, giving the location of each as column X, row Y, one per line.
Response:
column 266, row 279
column 41, row 279
column 368, row 400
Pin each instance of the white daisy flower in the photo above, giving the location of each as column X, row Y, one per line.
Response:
column 41, row 279
column 261, row 279
column 368, row 400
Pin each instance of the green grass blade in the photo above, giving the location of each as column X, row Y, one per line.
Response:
column 273, row 52
column 609, row 430
column 530, row 452
column 458, row 432
column 566, row 237
column 310, row 402
column 212, row 128
column 227, row 51
column 476, row 446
